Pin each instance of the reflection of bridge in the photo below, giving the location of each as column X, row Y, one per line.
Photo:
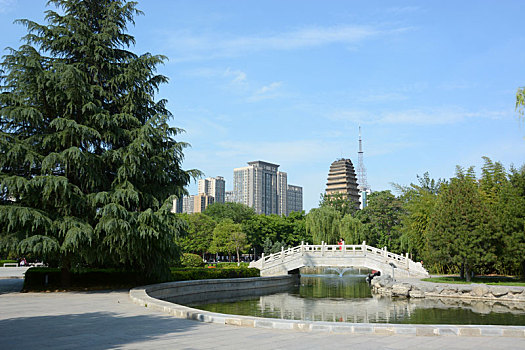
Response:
column 338, row 255
column 358, row 310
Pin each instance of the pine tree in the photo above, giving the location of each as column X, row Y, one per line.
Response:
column 88, row 160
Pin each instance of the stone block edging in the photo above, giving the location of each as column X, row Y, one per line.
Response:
column 415, row 288
column 140, row 297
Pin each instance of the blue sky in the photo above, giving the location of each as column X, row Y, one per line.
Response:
column 432, row 83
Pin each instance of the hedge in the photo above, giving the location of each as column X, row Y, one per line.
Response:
column 181, row 274
column 35, row 277
column 232, row 265
column 2, row 262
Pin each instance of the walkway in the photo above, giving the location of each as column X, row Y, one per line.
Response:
column 109, row 320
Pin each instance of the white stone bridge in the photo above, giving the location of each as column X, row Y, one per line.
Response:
column 338, row 256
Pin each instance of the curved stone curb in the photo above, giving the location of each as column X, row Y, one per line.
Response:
column 140, row 297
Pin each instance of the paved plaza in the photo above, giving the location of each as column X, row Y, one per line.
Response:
column 109, row 320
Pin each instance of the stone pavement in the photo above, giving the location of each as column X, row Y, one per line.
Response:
column 109, row 320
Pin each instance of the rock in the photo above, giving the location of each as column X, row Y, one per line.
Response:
column 416, row 293
column 516, row 290
column 479, row 290
column 464, row 289
column 449, row 290
column 401, row 289
column 499, row 291
column 517, row 296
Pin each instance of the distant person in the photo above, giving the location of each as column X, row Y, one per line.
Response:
column 340, row 244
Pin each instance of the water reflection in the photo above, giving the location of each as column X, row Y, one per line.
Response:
column 347, row 298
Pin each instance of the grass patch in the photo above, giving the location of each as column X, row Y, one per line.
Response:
column 490, row 280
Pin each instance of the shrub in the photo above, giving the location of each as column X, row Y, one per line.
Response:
column 2, row 262
column 232, row 265
column 204, row 273
column 191, row 260
column 35, row 279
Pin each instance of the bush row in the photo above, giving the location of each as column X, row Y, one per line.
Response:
column 231, row 265
column 35, row 278
column 7, row 261
column 181, row 274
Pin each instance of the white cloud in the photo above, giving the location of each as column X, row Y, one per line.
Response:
column 192, row 46
column 417, row 116
column 266, row 92
column 239, row 77
column 6, row 5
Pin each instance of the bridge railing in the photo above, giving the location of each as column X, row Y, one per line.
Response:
column 332, row 250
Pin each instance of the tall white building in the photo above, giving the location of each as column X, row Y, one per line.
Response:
column 213, row 186
column 262, row 186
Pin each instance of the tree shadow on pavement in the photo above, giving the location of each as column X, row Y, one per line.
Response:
column 94, row 330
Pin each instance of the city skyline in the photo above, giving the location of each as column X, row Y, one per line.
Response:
column 432, row 84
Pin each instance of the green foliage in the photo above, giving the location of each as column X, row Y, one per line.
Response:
column 274, row 228
column 340, row 202
column 88, row 160
column 351, row 230
column 510, row 210
column 381, row 219
column 462, row 226
column 236, row 212
column 323, row 225
column 231, row 265
column 191, row 260
column 418, row 205
column 207, row 273
column 520, row 101
column 198, row 234
column 228, row 238
column 2, row 262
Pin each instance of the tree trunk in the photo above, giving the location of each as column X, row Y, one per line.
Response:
column 468, row 275
column 65, row 272
column 462, row 271
column 238, row 260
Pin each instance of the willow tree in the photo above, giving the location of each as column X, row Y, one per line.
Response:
column 88, row 160
column 323, row 224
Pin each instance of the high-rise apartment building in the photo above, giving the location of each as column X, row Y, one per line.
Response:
column 282, row 193
column 229, row 197
column 262, row 186
column 177, row 206
column 294, row 199
column 188, row 204
column 201, row 202
column 213, row 186
column 192, row 204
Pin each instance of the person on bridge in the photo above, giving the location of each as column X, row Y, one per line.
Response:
column 341, row 242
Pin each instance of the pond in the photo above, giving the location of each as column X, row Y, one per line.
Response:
column 337, row 295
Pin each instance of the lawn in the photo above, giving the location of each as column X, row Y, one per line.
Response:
column 492, row 280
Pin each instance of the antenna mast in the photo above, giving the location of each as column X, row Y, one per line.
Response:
column 361, row 170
